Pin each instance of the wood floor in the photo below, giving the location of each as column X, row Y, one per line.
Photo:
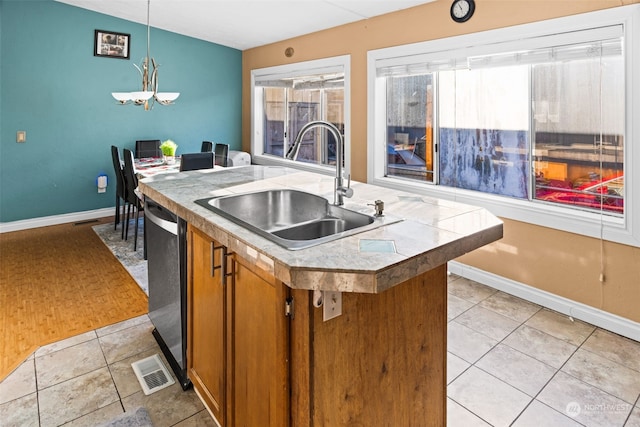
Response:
column 56, row 282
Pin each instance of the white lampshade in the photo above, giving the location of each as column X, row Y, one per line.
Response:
column 121, row 97
column 166, row 98
column 141, row 97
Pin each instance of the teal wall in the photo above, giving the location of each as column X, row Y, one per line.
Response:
column 52, row 87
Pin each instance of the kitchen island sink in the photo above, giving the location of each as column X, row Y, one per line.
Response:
column 291, row 218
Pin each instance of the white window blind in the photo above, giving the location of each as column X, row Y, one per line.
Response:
column 602, row 42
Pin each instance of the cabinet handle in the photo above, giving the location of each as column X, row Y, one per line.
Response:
column 214, row 267
column 225, row 258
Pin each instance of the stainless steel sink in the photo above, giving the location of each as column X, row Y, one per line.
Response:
column 293, row 219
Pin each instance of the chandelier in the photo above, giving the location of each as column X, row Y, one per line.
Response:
column 149, row 72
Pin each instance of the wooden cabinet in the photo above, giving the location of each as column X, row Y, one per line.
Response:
column 237, row 347
column 206, row 321
column 259, row 343
column 382, row 362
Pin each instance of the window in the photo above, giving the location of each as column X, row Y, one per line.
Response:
column 483, row 130
column 535, row 128
column 285, row 98
column 410, row 143
column 578, row 129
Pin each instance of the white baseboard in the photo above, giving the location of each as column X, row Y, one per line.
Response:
column 594, row 316
column 55, row 219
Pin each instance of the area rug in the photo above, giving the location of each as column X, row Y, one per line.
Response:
column 57, row 282
column 136, row 418
column 132, row 261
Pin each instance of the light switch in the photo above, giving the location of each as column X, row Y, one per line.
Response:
column 21, row 136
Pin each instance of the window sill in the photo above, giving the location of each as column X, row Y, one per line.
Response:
column 590, row 224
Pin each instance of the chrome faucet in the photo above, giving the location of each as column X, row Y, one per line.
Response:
column 340, row 190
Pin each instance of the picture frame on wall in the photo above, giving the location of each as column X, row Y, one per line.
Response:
column 111, row 44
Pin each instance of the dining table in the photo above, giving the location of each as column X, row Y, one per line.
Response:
column 149, row 166
column 146, row 167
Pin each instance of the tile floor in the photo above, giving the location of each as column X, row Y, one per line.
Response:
column 87, row 380
column 510, row 363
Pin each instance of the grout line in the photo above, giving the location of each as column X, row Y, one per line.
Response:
column 470, row 411
column 115, row 386
column 35, row 379
column 604, row 356
column 548, row 382
column 636, row 405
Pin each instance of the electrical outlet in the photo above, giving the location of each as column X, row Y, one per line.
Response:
column 21, row 136
column 331, row 305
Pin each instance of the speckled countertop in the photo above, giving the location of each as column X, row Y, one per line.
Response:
column 431, row 232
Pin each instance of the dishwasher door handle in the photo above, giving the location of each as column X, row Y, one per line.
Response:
column 170, row 226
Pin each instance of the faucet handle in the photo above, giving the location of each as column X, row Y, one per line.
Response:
column 347, row 191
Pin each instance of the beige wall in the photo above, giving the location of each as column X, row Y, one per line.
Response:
column 562, row 263
column 565, row 264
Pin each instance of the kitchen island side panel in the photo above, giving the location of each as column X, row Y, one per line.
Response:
column 382, row 362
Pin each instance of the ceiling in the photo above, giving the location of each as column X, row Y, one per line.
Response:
column 243, row 24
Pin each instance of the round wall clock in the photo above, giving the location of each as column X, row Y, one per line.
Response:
column 462, row 10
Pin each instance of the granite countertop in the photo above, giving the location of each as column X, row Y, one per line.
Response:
column 431, row 232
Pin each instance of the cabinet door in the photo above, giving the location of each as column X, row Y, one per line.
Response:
column 206, row 345
column 259, row 337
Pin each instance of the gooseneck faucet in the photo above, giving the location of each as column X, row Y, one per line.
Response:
column 340, row 190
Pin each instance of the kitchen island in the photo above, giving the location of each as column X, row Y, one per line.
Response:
column 259, row 349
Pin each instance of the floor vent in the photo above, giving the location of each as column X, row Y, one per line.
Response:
column 89, row 221
column 152, row 374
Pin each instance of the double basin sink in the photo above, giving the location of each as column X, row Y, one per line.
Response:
column 293, row 219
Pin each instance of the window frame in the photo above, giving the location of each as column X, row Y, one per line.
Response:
column 318, row 66
column 625, row 229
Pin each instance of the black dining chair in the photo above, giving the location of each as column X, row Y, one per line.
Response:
column 148, row 148
column 131, row 183
column 207, row 147
column 120, row 189
column 195, row 161
column 222, row 155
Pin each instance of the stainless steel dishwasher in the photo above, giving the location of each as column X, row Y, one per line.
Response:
column 166, row 261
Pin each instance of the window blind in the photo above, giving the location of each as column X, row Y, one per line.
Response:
column 602, row 41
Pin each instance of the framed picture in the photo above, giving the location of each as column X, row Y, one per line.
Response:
column 112, row 45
